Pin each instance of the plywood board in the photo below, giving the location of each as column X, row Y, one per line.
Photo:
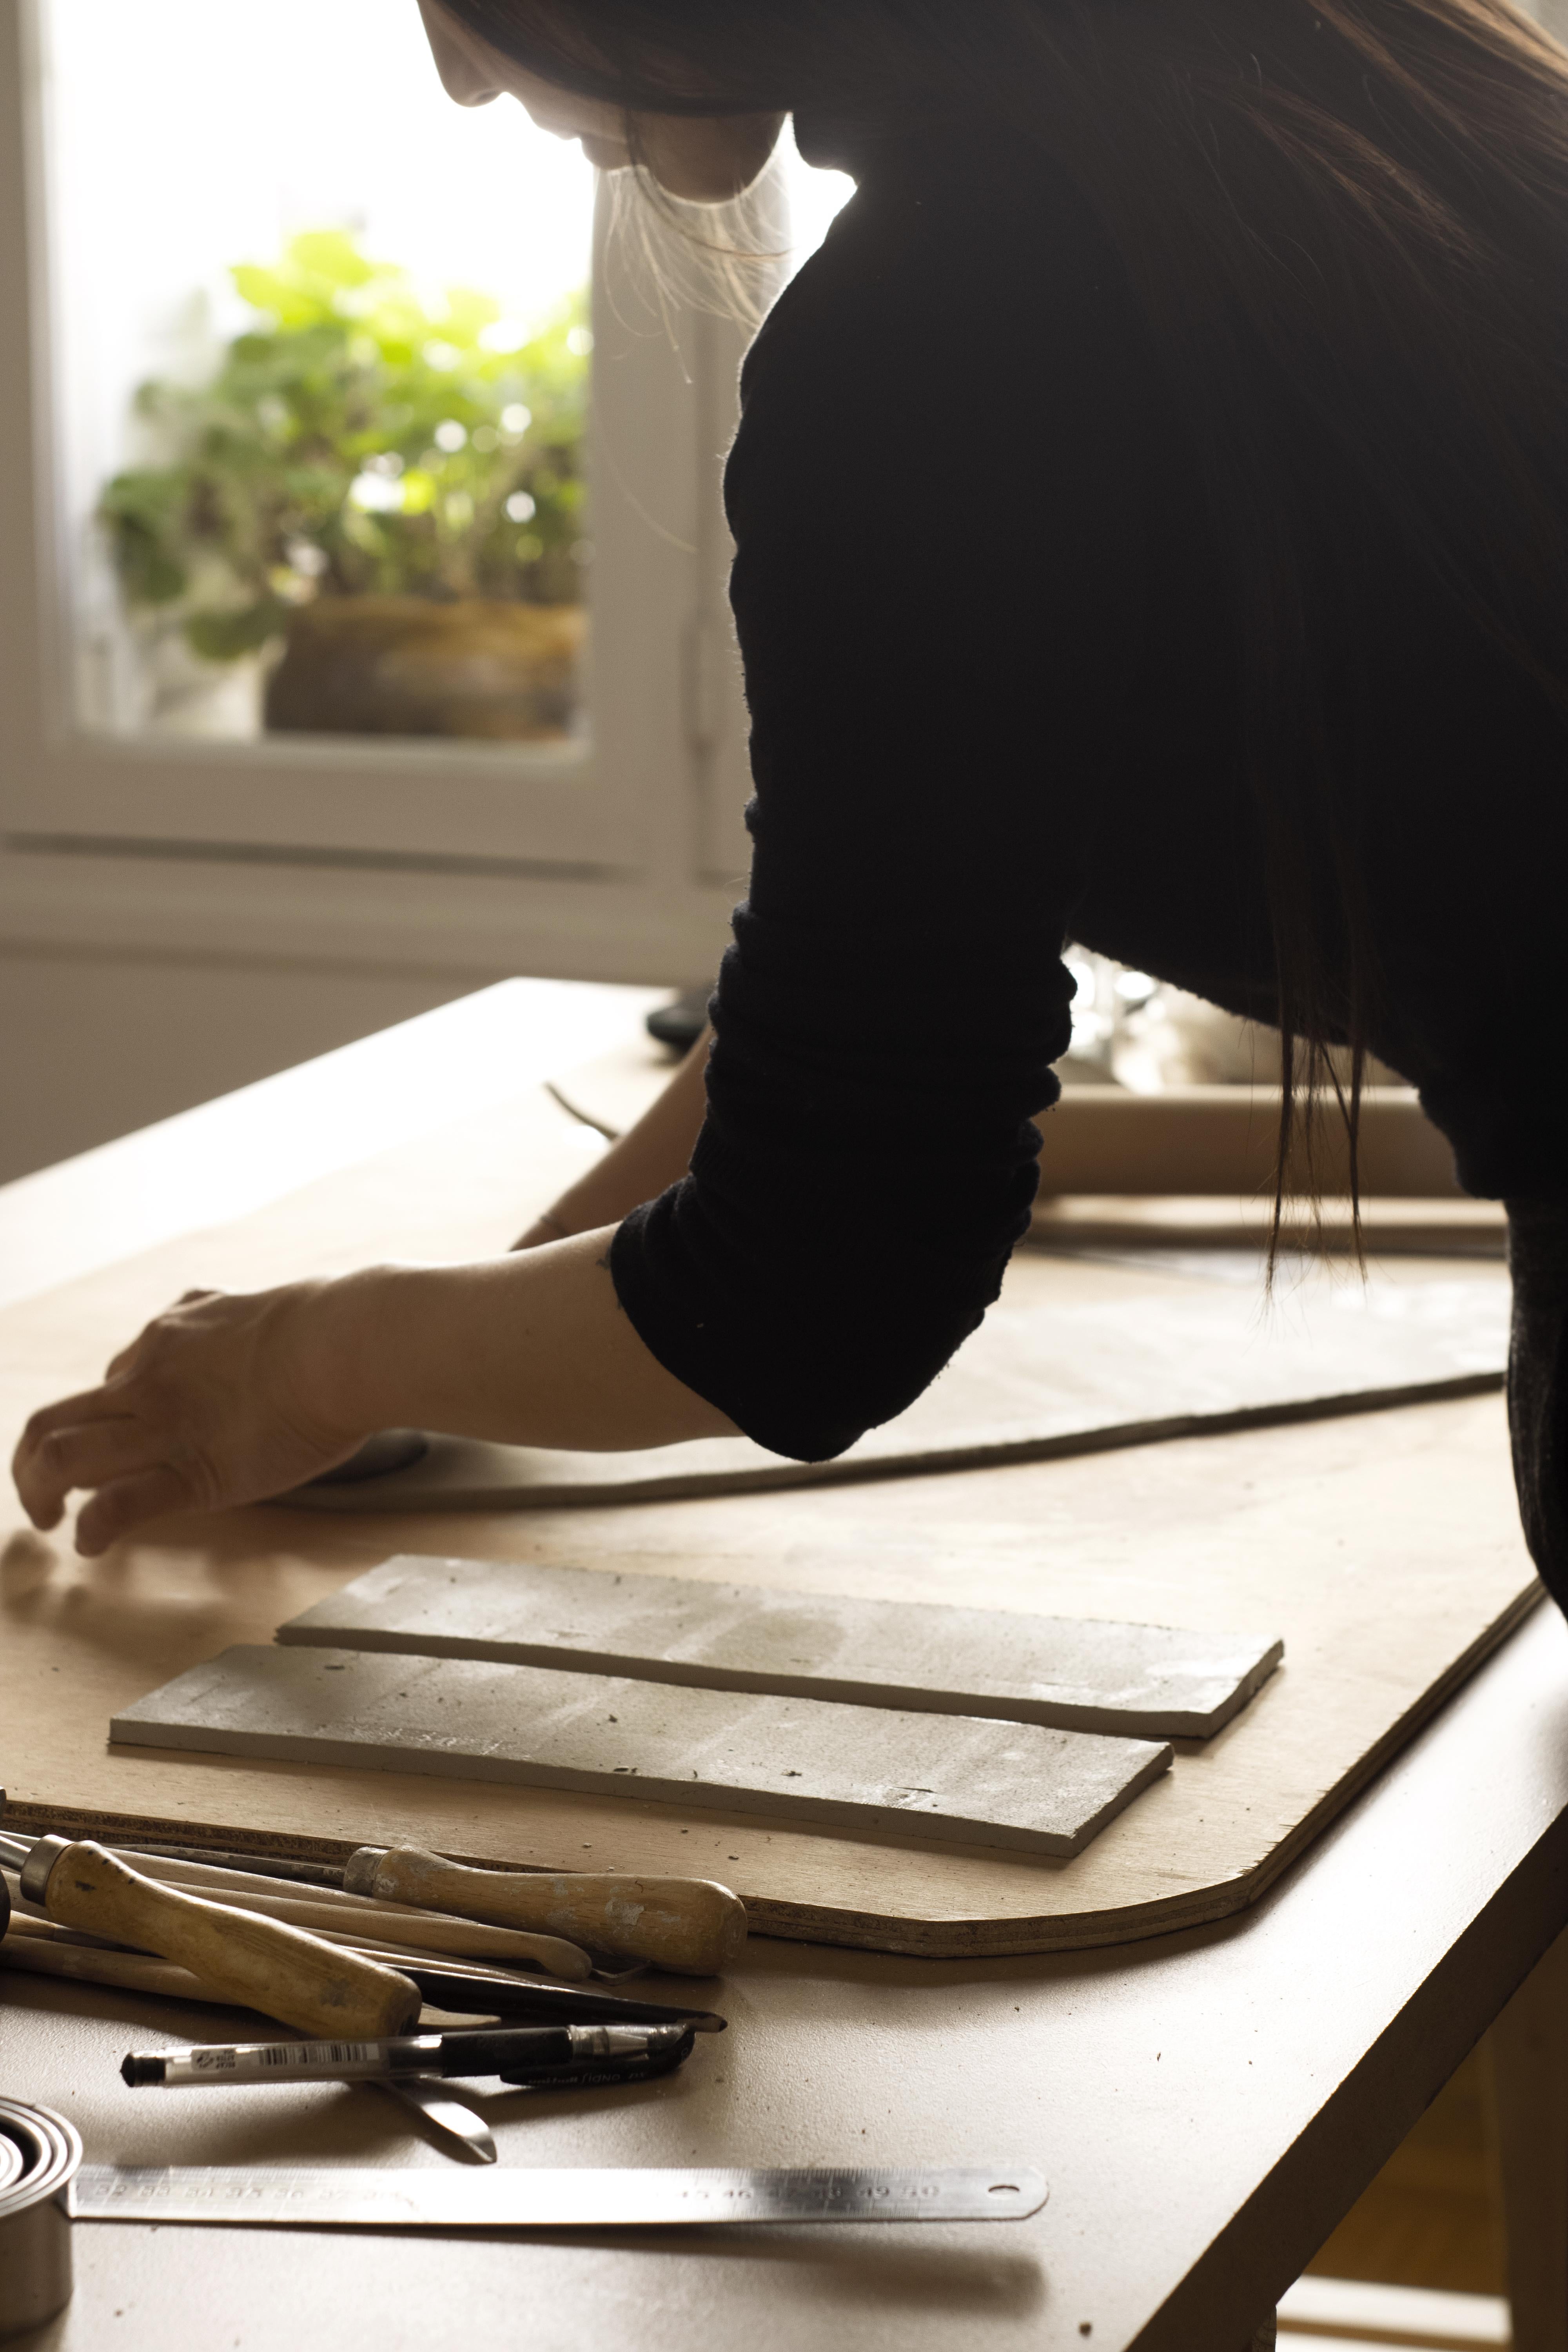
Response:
column 1385, row 1550
column 864, row 1771
column 1152, row 1682
column 1062, row 1364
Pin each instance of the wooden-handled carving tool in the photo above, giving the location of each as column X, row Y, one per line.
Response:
column 452, row 1987
column 338, row 1918
column 39, row 1956
column 705, row 1901
column 36, row 1947
column 423, row 1930
column 320, row 1988
column 692, row 1926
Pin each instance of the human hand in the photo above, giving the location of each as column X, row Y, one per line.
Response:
column 218, row 1402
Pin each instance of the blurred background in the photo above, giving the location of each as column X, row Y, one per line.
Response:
column 361, row 625
column 329, row 710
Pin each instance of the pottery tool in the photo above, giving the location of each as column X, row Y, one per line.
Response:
column 336, row 1917
column 428, row 1932
column 568, row 2055
column 401, row 1939
column 691, row 1925
column 574, row 1965
column 39, row 1948
column 290, row 1867
column 265, row 1964
column 39, row 2153
column 547, row 2199
column 455, row 2127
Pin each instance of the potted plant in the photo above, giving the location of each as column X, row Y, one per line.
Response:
column 379, row 489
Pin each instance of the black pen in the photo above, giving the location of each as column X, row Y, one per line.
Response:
column 574, row 2056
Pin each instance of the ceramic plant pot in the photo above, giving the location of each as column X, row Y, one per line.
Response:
column 408, row 666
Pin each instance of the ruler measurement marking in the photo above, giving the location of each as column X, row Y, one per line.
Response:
column 582, row 2197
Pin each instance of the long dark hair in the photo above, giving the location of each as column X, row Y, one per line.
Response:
column 1359, row 206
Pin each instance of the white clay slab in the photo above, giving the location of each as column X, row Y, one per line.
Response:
column 1083, row 1675
column 1069, row 1361
column 864, row 1771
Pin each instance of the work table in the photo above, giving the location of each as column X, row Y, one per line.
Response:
column 1205, row 2104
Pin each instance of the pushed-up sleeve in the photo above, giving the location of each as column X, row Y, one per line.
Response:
column 935, row 575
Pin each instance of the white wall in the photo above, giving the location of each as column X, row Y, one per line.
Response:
column 132, row 987
column 92, row 1045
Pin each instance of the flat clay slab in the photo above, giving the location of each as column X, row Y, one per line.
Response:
column 862, row 1771
column 1152, row 1682
column 1061, row 1365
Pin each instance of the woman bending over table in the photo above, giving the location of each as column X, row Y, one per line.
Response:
column 1246, row 663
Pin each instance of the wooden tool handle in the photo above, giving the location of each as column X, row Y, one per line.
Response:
column 692, row 1925
column 461, row 1939
column 350, row 1918
column 129, row 1971
column 321, row 1989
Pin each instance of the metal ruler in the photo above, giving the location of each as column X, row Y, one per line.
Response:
column 548, row 2199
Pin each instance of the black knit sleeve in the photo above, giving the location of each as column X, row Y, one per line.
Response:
column 935, row 591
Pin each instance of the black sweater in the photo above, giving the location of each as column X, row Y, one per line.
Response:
column 992, row 680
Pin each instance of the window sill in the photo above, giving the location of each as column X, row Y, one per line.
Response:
column 456, row 918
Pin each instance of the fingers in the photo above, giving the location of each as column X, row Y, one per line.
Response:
column 88, row 1404
column 95, row 1437
column 209, row 1406
column 120, row 1458
column 126, row 1502
column 86, row 1440
column 89, row 1455
column 37, row 1463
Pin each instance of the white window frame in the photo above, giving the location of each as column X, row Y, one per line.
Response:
column 647, row 808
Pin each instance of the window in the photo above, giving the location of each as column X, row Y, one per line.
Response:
column 334, row 362
column 159, row 142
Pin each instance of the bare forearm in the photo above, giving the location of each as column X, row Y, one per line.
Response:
column 639, row 1164
column 226, row 1399
column 529, row 1350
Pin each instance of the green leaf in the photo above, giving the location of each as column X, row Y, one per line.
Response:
column 348, row 365
column 224, row 636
